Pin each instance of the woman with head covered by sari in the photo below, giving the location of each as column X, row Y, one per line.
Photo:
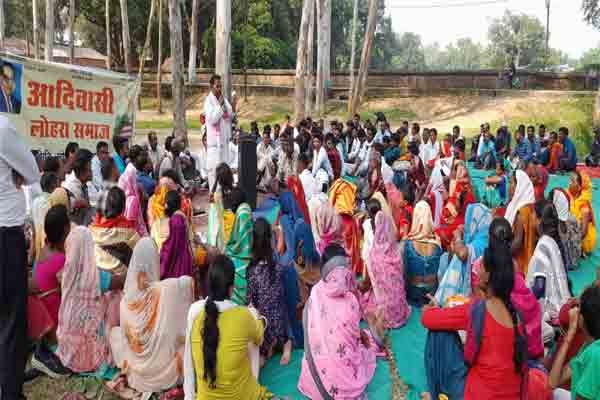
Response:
column 114, row 239
column 520, row 214
column 176, row 255
column 454, row 273
column 569, row 230
column 580, row 193
column 82, row 330
column 339, row 358
column 386, row 273
column 421, row 255
column 133, row 204
column 149, row 344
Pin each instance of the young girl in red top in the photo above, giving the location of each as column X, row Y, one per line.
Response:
column 497, row 368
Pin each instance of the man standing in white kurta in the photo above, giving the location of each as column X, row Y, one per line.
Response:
column 219, row 115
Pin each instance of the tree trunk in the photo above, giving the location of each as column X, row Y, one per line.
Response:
column 2, row 25
column 36, row 30
column 301, row 61
column 223, row 46
column 596, row 115
column 140, row 77
column 159, row 58
column 178, row 90
column 71, row 31
column 323, row 52
column 310, row 62
column 108, row 41
column 353, row 51
column 360, row 83
column 126, row 38
column 49, row 39
column 193, row 43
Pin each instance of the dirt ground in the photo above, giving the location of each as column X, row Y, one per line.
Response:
column 439, row 111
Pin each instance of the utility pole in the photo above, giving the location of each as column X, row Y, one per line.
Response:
column 547, row 30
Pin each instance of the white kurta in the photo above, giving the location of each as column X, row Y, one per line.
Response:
column 218, row 133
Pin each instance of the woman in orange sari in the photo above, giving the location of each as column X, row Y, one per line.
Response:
column 580, row 194
column 342, row 197
column 556, row 150
column 520, row 213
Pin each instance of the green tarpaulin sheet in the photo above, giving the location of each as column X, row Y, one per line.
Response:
column 408, row 342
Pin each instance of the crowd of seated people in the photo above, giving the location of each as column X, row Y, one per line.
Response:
column 359, row 229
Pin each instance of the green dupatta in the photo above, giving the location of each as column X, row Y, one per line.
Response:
column 239, row 249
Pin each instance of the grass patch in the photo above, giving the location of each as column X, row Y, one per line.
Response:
column 165, row 124
column 574, row 113
column 391, row 114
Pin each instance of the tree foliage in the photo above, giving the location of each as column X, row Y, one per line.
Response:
column 265, row 35
column 519, row 38
column 591, row 12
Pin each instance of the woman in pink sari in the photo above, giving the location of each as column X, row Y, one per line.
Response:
column 133, row 204
column 82, row 330
column 339, row 357
column 329, row 227
column 386, row 275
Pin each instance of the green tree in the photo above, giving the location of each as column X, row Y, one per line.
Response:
column 465, row 55
column 589, row 58
column 411, row 55
column 517, row 37
column 591, row 12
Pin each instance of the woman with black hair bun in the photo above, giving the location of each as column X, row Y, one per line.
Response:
column 217, row 361
column 546, row 274
column 266, row 292
column 496, row 346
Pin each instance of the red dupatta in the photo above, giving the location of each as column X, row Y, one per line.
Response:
column 294, row 184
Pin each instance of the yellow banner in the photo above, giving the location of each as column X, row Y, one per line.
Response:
column 53, row 104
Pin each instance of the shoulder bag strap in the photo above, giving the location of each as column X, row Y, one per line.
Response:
column 311, row 363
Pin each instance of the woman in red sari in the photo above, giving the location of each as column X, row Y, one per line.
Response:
column 294, row 184
column 334, row 155
column 460, row 195
column 461, row 182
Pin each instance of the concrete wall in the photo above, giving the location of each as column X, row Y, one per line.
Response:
column 281, row 82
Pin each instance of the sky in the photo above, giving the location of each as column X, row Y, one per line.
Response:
column 445, row 24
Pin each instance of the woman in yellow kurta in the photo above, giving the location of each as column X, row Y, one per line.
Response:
column 580, row 193
column 221, row 352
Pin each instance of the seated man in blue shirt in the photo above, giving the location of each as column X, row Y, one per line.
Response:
column 522, row 150
column 568, row 160
column 534, row 141
column 144, row 167
column 392, row 152
column 486, row 154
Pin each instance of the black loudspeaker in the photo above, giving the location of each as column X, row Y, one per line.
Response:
column 247, row 167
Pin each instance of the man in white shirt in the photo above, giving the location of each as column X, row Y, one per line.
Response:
column 362, row 164
column 81, row 208
column 155, row 152
column 310, row 184
column 219, row 115
column 430, row 149
column 17, row 168
column 265, row 167
column 414, row 135
column 287, row 159
column 95, row 185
